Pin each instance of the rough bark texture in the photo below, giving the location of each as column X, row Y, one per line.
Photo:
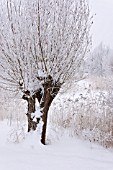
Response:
column 45, row 99
column 50, row 91
column 47, row 102
column 32, row 125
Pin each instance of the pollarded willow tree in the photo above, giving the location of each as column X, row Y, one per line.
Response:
column 42, row 45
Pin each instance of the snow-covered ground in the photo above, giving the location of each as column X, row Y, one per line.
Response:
column 64, row 154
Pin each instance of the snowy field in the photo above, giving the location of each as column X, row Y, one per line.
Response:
column 64, row 154
column 80, row 118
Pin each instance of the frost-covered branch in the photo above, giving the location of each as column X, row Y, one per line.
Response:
column 48, row 37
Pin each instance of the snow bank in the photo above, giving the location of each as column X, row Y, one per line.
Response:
column 67, row 153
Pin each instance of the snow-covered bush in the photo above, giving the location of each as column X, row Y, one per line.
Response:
column 12, row 109
column 87, row 113
column 17, row 134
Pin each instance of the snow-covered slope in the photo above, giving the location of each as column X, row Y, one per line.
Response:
column 65, row 154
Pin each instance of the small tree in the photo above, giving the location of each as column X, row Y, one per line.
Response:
column 42, row 45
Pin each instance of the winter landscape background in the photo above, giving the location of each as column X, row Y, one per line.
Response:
column 80, row 121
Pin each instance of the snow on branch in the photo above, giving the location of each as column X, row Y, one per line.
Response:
column 39, row 38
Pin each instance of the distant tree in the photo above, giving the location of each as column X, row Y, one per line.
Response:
column 42, row 45
column 99, row 62
column 111, row 61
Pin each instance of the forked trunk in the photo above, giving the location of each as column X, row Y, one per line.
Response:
column 45, row 99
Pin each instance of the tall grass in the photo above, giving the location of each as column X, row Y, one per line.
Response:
column 87, row 114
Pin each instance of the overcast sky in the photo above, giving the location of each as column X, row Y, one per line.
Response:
column 102, row 29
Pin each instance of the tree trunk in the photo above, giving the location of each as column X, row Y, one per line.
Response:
column 50, row 91
column 31, row 109
column 45, row 99
column 32, row 125
column 48, row 100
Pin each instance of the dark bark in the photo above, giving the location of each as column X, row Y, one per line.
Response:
column 39, row 94
column 47, row 102
column 50, row 91
column 45, row 99
column 32, row 125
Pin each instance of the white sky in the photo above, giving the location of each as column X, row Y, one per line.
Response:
column 102, row 29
